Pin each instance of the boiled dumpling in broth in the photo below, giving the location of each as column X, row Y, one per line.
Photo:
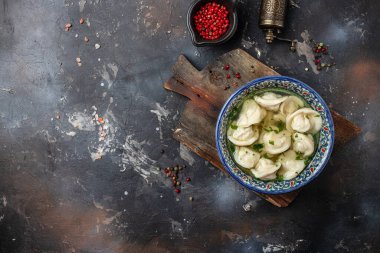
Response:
column 270, row 101
column 291, row 165
column 290, row 105
column 271, row 118
column 242, row 136
column 274, row 122
column 246, row 157
column 304, row 120
column 265, row 169
column 273, row 134
column 251, row 113
column 276, row 142
column 303, row 143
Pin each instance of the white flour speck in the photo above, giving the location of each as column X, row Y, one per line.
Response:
column 161, row 113
column 135, row 158
column 186, row 154
column 81, row 121
column 4, row 201
column 304, row 49
column 109, row 73
column 81, row 5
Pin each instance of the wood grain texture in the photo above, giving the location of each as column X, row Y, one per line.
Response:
column 207, row 94
column 345, row 130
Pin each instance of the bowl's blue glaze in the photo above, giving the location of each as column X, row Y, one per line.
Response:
column 323, row 151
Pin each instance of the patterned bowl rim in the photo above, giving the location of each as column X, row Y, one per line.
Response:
column 254, row 83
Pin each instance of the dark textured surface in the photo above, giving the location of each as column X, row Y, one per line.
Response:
column 54, row 198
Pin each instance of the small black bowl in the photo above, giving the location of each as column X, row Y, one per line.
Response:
column 196, row 38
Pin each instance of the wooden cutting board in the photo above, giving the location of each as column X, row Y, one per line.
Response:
column 208, row 89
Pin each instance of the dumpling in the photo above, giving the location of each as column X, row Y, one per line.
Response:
column 266, row 169
column 291, row 165
column 251, row 113
column 303, row 143
column 242, row 136
column 270, row 101
column 304, row 120
column 246, row 157
column 276, row 142
column 274, row 122
column 290, row 105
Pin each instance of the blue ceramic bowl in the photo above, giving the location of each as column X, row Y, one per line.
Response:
column 322, row 153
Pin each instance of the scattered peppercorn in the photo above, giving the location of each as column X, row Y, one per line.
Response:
column 319, row 50
column 175, row 176
column 101, row 120
column 211, row 21
column 68, row 26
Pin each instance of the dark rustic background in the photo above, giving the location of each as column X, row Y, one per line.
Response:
column 55, row 198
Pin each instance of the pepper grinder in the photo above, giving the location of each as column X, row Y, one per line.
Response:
column 272, row 19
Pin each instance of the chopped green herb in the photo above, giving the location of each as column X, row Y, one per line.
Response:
column 271, row 142
column 296, row 135
column 307, row 116
column 308, row 160
column 266, row 156
column 234, row 113
column 299, row 156
column 317, row 116
column 268, row 129
column 280, row 178
column 258, row 147
column 234, row 127
column 280, row 125
column 232, row 147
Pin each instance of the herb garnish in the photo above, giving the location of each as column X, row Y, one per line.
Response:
column 280, row 125
column 234, row 127
column 269, row 129
column 258, row 147
column 308, row 160
column 280, row 178
column 299, row 156
column 271, row 142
